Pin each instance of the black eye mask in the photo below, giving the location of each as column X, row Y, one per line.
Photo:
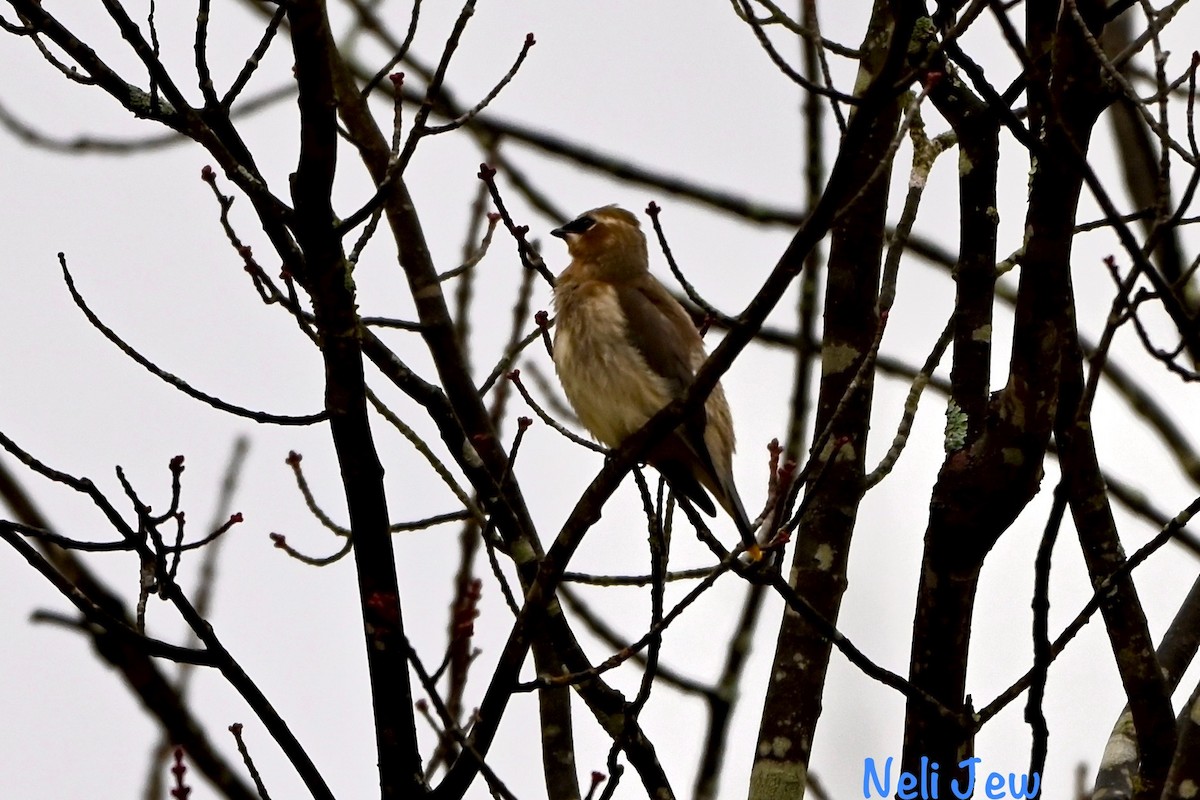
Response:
column 578, row 225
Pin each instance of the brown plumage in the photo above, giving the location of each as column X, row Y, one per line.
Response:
column 624, row 349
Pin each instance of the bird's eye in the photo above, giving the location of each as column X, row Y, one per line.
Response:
column 579, row 225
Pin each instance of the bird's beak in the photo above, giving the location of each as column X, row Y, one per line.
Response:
column 561, row 233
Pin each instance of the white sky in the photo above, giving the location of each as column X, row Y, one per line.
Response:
column 680, row 87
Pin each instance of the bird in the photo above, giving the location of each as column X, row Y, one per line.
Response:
column 624, row 348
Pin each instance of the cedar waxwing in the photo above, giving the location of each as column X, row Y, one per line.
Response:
column 624, row 348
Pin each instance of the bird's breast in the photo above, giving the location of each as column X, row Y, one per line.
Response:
column 604, row 376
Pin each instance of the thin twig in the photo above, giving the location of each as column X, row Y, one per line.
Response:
column 178, row 383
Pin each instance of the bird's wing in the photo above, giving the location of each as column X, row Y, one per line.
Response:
column 666, row 338
column 661, row 331
column 664, row 335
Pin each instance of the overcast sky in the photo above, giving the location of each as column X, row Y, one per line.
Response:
column 675, row 85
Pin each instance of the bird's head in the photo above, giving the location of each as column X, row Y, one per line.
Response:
column 606, row 241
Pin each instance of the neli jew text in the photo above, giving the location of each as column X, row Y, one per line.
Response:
column 927, row 783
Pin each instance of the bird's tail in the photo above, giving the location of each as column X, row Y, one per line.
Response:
column 691, row 471
column 731, row 501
